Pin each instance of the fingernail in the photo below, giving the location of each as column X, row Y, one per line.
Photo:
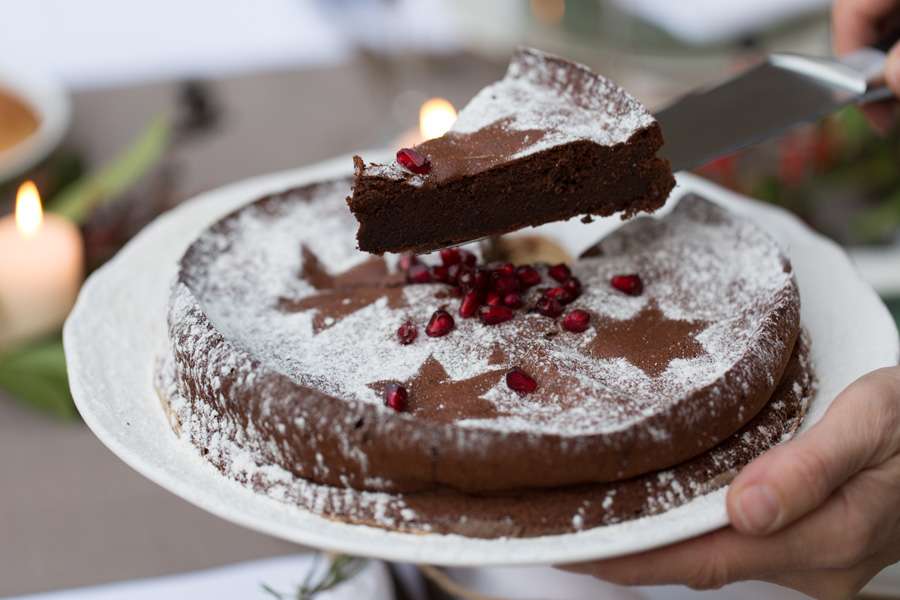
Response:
column 757, row 509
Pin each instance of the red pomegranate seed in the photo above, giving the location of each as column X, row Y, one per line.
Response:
column 469, row 305
column 559, row 272
column 512, row 300
column 482, row 279
column 450, row 256
column 395, row 397
column 466, row 278
column 440, row 273
column 414, row 160
column 528, row 276
column 505, row 269
column 453, row 272
column 576, row 321
column 468, row 258
column 630, row 284
column 493, row 299
column 519, row 381
column 407, row 260
column 418, row 273
column 549, row 307
column 441, row 323
column 504, row 283
column 560, row 294
column 407, row 333
column 573, row 286
column 494, row 315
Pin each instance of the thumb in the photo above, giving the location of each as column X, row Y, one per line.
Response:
column 789, row 481
column 892, row 70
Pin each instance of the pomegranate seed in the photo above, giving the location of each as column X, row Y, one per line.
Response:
column 549, row 307
column 528, row 276
column 504, row 283
column 559, row 272
column 576, row 321
column 441, row 323
column 395, row 396
column 519, row 381
column 495, row 315
column 493, row 299
column 469, row 305
column 407, row 260
column 630, row 284
column 573, row 286
column 418, row 273
column 414, row 160
column 450, row 256
column 466, row 278
column 467, row 257
column 505, row 269
column 482, row 279
column 560, row 294
column 407, row 333
column 453, row 272
column 440, row 273
column 512, row 300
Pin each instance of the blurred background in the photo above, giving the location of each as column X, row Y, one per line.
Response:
column 117, row 111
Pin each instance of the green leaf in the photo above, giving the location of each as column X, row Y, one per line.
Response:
column 36, row 375
column 77, row 200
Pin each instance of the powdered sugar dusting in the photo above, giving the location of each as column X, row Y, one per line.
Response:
column 542, row 92
column 699, row 264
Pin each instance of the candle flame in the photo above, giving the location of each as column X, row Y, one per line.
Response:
column 29, row 214
column 436, row 117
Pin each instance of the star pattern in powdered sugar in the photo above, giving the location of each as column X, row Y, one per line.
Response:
column 434, row 396
column 649, row 340
column 343, row 293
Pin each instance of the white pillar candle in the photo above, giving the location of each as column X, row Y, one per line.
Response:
column 41, row 269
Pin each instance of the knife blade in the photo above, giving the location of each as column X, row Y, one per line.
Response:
column 767, row 99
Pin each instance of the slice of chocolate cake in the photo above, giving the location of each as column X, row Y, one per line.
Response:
column 548, row 142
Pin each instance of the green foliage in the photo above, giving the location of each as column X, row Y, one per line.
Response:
column 77, row 200
column 36, row 375
column 341, row 568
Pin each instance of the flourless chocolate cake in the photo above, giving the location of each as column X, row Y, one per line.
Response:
column 548, row 142
column 445, row 394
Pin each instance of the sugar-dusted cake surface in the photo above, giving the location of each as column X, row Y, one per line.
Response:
column 281, row 328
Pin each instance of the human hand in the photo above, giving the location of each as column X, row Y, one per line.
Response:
column 819, row 514
column 857, row 23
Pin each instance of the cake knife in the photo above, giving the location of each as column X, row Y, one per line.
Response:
column 765, row 100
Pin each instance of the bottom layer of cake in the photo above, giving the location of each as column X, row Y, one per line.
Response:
column 523, row 514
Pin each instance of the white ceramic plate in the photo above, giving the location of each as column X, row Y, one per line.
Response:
column 117, row 330
column 47, row 98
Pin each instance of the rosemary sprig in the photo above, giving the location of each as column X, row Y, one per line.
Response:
column 341, row 568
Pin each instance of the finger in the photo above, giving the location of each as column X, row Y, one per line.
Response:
column 855, row 23
column 892, row 70
column 881, row 115
column 859, row 430
column 707, row 562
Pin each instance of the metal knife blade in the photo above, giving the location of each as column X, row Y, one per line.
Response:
column 765, row 100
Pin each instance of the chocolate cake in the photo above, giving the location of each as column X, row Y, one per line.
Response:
column 548, row 142
column 334, row 379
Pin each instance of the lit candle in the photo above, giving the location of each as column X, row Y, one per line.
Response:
column 436, row 117
column 41, row 269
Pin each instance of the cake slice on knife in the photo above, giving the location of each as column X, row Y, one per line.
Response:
column 550, row 141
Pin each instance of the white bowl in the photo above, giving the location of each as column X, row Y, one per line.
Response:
column 47, row 98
